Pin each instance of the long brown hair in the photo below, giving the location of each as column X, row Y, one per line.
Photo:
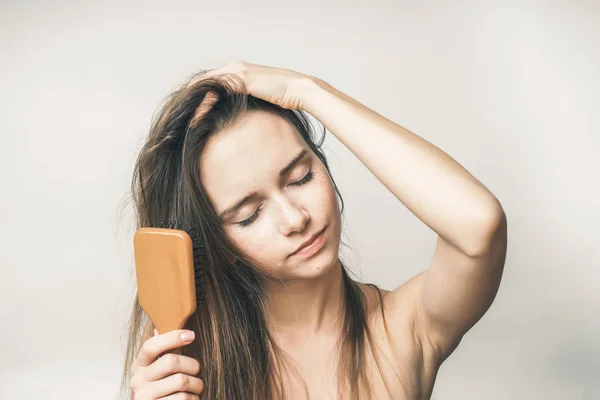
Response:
column 238, row 356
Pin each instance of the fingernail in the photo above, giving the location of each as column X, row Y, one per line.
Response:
column 187, row 336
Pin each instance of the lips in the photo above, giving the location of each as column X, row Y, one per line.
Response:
column 308, row 241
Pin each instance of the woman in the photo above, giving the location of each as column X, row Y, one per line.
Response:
column 232, row 153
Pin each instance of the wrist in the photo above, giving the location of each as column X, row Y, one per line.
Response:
column 309, row 88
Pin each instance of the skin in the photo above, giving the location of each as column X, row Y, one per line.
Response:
column 428, row 315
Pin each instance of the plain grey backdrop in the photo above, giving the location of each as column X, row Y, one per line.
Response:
column 509, row 89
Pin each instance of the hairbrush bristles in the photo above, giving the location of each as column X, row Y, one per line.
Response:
column 199, row 256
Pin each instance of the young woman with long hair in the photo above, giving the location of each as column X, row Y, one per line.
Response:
column 233, row 153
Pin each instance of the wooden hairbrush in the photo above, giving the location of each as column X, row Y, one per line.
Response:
column 169, row 265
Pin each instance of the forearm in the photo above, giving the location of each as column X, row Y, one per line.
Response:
column 434, row 187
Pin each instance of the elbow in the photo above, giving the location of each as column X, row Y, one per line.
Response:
column 491, row 233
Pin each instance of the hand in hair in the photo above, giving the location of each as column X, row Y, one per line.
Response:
column 168, row 376
column 283, row 87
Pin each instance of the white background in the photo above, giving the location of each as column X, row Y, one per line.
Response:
column 509, row 89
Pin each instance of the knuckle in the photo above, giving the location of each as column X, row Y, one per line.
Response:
column 239, row 67
column 171, row 362
column 196, row 367
column 134, row 384
column 147, row 347
column 182, row 381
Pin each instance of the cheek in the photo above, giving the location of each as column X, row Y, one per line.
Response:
column 327, row 195
column 253, row 243
column 319, row 199
column 331, row 207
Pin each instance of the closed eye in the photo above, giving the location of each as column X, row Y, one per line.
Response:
column 307, row 178
column 304, row 180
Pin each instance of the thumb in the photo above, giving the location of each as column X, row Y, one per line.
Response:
column 155, row 332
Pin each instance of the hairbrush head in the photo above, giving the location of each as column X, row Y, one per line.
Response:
column 170, row 273
column 199, row 254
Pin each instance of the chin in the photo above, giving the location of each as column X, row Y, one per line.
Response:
column 316, row 266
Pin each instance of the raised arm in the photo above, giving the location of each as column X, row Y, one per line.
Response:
column 465, row 272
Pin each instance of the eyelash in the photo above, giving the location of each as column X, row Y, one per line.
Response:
column 301, row 182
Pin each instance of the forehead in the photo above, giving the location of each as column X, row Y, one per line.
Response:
column 243, row 157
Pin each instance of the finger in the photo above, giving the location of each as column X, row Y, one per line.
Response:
column 209, row 101
column 237, row 67
column 175, row 383
column 209, row 73
column 170, row 364
column 181, row 396
column 157, row 345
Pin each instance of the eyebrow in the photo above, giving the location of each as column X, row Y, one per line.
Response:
column 254, row 195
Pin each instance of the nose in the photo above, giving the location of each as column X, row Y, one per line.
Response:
column 293, row 216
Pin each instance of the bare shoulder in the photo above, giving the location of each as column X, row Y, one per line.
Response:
column 394, row 326
column 397, row 304
column 393, row 316
column 372, row 296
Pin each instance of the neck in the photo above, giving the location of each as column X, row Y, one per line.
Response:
column 305, row 307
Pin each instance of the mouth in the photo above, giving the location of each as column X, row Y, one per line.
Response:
column 312, row 245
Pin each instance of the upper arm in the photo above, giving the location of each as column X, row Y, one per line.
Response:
column 455, row 291
column 458, row 289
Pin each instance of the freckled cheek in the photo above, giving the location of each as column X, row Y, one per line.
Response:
column 329, row 208
column 254, row 245
column 326, row 194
